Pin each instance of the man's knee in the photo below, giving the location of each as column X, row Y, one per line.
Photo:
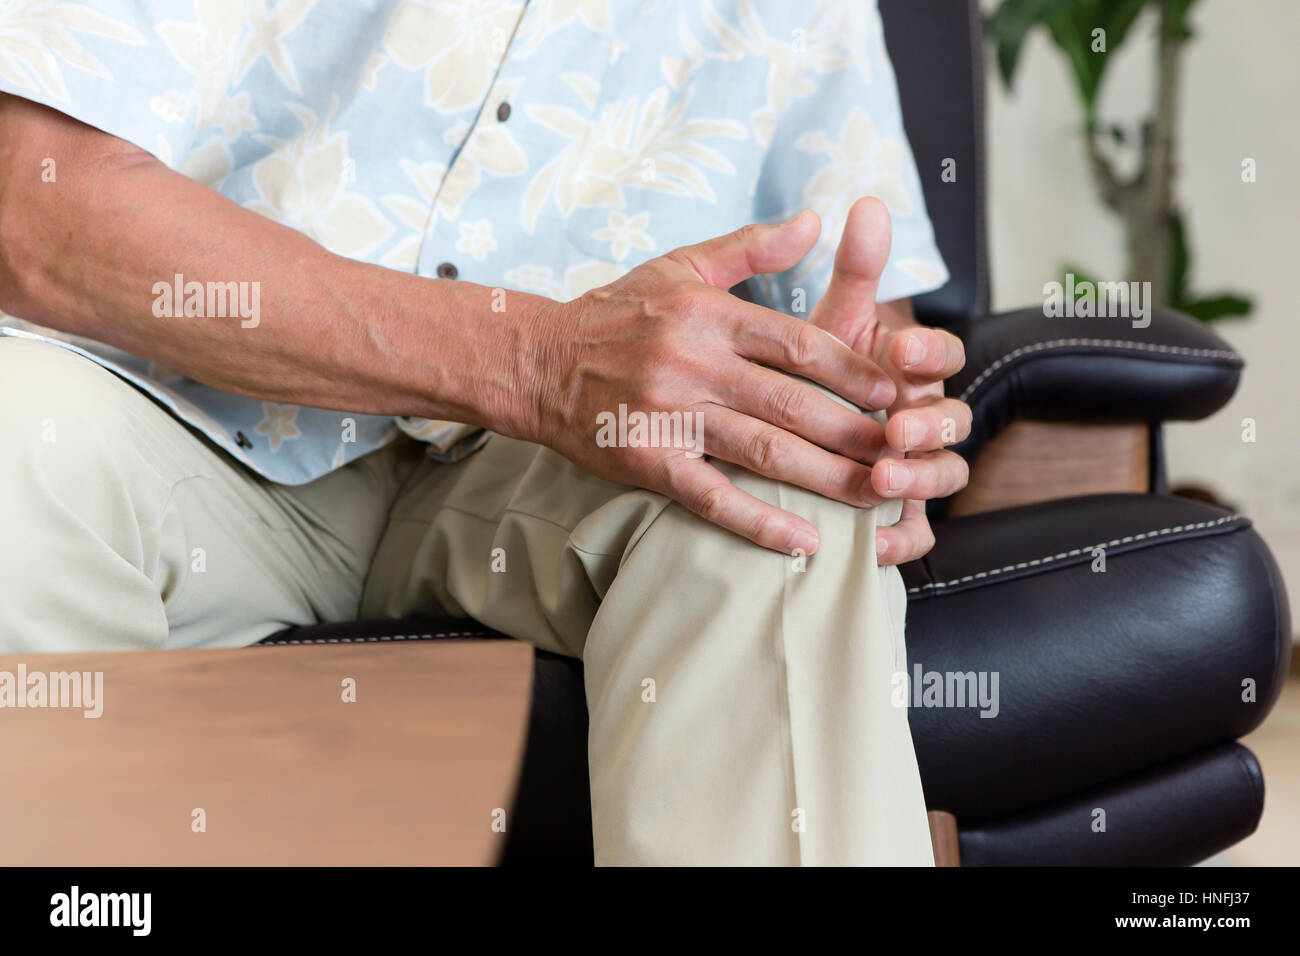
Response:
column 75, row 437
column 45, row 389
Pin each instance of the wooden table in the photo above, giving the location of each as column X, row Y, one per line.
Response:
column 284, row 770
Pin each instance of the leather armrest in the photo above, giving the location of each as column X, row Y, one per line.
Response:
column 1025, row 365
column 1176, row 814
column 1104, row 669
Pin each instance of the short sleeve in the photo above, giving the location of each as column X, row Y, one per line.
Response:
column 842, row 137
column 145, row 71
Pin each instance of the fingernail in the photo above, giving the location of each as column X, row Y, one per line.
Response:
column 913, row 352
column 881, row 395
column 912, row 433
column 882, row 545
column 804, row 542
column 897, row 476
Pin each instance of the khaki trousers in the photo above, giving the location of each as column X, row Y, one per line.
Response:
column 739, row 698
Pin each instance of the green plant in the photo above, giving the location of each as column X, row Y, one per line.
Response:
column 1087, row 32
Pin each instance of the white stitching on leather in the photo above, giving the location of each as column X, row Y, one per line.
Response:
column 1074, row 553
column 380, row 639
column 1106, row 343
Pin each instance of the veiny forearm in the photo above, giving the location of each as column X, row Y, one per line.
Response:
column 82, row 254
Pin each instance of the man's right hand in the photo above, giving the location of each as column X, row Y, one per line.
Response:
column 668, row 337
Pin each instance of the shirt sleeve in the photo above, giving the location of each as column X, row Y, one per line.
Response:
column 151, row 72
column 841, row 137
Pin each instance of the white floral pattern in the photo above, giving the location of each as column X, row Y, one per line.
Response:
column 862, row 163
column 303, row 184
column 546, row 146
column 457, row 46
column 625, row 233
column 39, row 37
column 653, row 144
column 279, row 424
column 476, row 238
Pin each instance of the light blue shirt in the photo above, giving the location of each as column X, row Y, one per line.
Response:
column 546, row 146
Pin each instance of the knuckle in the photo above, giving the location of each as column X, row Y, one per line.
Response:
column 763, row 527
column 710, row 503
column 787, row 402
column 675, row 262
column 748, row 233
column 669, row 477
column 799, row 345
column 764, row 449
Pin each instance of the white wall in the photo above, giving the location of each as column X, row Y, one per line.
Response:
column 1242, row 99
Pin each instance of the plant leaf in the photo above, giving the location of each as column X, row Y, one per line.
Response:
column 1072, row 26
column 1223, row 306
column 1008, row 25
column 1178, row 11
column 1080, row 277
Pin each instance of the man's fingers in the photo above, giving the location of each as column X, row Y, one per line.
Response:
column 930, row 474
column 909, row 539
column 775, row 453
column 751, row 250
column 929, row 427
column 703, row 489
column 796, row 406
column 927, row 354
column 800, row 348
column 850, row 298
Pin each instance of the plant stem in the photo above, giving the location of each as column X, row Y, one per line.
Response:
column 1145, row 203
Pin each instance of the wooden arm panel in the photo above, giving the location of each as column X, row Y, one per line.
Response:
column 1040, row 461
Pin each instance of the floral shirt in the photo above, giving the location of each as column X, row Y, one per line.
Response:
column 538, row 145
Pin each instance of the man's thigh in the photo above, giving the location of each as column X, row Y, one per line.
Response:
column 514, row 536
column 127, row 529
column 521, row 539
column 277, row 555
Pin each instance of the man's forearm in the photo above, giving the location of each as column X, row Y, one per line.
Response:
column 83, row 253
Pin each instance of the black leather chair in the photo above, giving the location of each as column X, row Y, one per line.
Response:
column 1120, row 691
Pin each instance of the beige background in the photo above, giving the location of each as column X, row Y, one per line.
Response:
column 1241, row 99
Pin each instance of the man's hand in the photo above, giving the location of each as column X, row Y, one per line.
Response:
column 668, row 337
column 921, row 420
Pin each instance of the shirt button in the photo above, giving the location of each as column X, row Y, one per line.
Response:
column 503, row 112
column 447, row 271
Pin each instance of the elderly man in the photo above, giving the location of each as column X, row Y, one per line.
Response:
column 323, row 310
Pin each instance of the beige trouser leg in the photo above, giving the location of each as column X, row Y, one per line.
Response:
column 122, row 528
column 740, row 704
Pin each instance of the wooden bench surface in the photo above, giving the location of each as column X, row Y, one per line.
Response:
column 260, row 739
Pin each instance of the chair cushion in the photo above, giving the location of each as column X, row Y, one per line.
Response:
column 1101, row 673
